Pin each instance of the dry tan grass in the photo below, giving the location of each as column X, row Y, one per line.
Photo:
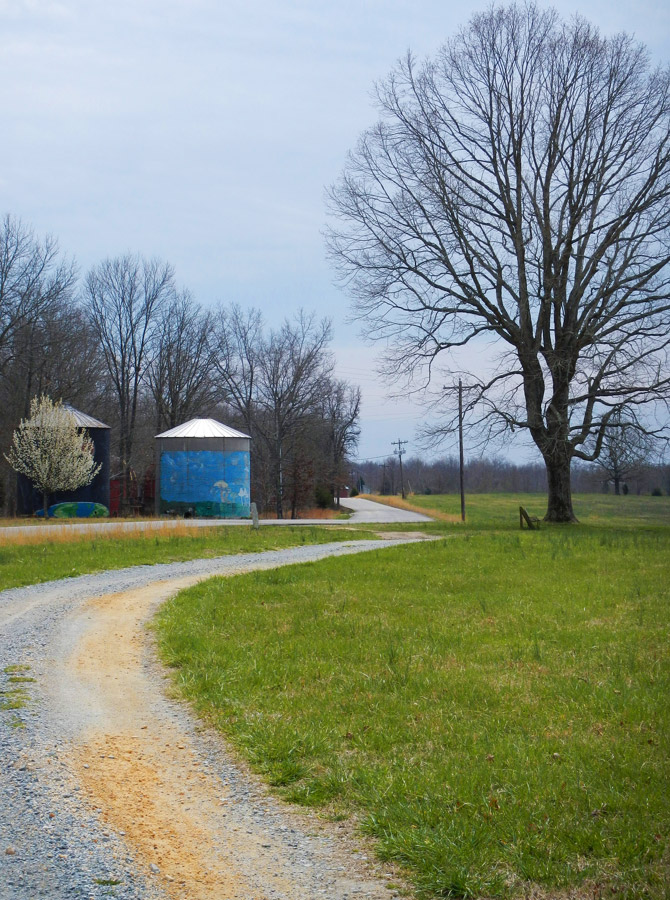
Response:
column 38, row 522
column 62, row 531
column 65, row 534
column 399, row 503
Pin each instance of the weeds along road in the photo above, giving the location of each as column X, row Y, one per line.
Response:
column 363, row 512
column 109, row 788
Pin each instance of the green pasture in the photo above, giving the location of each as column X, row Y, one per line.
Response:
column 502, row 510
column 492, row 707
column 34, row 563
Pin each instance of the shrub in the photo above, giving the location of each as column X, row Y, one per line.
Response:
column 323, row 497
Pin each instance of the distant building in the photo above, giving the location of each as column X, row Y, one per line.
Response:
column 203, row 470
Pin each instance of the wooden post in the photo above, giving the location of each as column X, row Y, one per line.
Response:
column 532, row 522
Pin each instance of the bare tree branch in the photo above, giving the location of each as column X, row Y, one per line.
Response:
column 123, row 299
column 517, row 186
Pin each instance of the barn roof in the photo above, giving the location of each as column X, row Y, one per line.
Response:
column 82, row 420
column 202, row 428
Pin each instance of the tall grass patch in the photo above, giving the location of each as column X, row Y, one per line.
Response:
column 491, row 708
column 78, row 553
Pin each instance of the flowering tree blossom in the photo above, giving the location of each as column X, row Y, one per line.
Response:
column 50, row 450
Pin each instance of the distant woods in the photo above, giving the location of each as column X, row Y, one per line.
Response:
column 125, row 344
column 643, row 475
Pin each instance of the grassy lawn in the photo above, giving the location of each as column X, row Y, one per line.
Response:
column 501, row 511
column 492, row 708
column 33, row 563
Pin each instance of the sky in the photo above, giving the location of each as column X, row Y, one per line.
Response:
column 206, row 133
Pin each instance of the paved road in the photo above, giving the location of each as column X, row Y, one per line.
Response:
column 365, row 512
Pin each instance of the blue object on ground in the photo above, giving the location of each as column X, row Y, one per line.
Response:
column 75, row 510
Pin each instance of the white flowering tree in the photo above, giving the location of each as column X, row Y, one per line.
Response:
column 50, row 450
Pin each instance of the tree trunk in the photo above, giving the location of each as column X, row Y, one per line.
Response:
column 279, row 489
column 559, row 505
column 45, row 502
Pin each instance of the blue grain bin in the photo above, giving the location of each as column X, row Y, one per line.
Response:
column 202, row 469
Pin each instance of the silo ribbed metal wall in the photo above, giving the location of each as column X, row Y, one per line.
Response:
column 206, row 477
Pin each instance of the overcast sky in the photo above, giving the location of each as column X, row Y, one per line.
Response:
column 206, row 132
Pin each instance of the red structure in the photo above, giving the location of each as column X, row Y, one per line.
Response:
column 115, row 488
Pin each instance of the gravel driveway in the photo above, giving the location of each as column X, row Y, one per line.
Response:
column 363, row 512
column 108, row 788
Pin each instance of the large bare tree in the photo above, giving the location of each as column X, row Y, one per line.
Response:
column 34, row 281
column 180, row 375
column 237, row 340
column 626, row 449
column 123, row 299
column 341, row 411
column 292, row 373
column 517, row 188
column 277, row 385
column 56, row 354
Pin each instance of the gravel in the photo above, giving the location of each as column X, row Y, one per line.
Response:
column 52, row 844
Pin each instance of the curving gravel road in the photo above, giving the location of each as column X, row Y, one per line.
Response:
column 58, row 838
column 363, row 512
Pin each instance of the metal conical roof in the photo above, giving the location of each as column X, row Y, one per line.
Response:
column 202, row 428
column 82, row 420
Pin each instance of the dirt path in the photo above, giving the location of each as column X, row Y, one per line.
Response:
column 110, row 788
column 155, row 782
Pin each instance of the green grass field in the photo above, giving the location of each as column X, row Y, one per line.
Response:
column 491, row 708
column 501, row 511
column 34, row 563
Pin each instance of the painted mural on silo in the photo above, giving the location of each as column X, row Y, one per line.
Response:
column 205, row 482
column 203, row 470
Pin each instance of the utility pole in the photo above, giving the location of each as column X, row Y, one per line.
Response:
column 460, row 446
column 399, row 452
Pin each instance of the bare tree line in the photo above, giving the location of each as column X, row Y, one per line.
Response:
column 278, row 386
column 129, row 347
column 623, row 471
